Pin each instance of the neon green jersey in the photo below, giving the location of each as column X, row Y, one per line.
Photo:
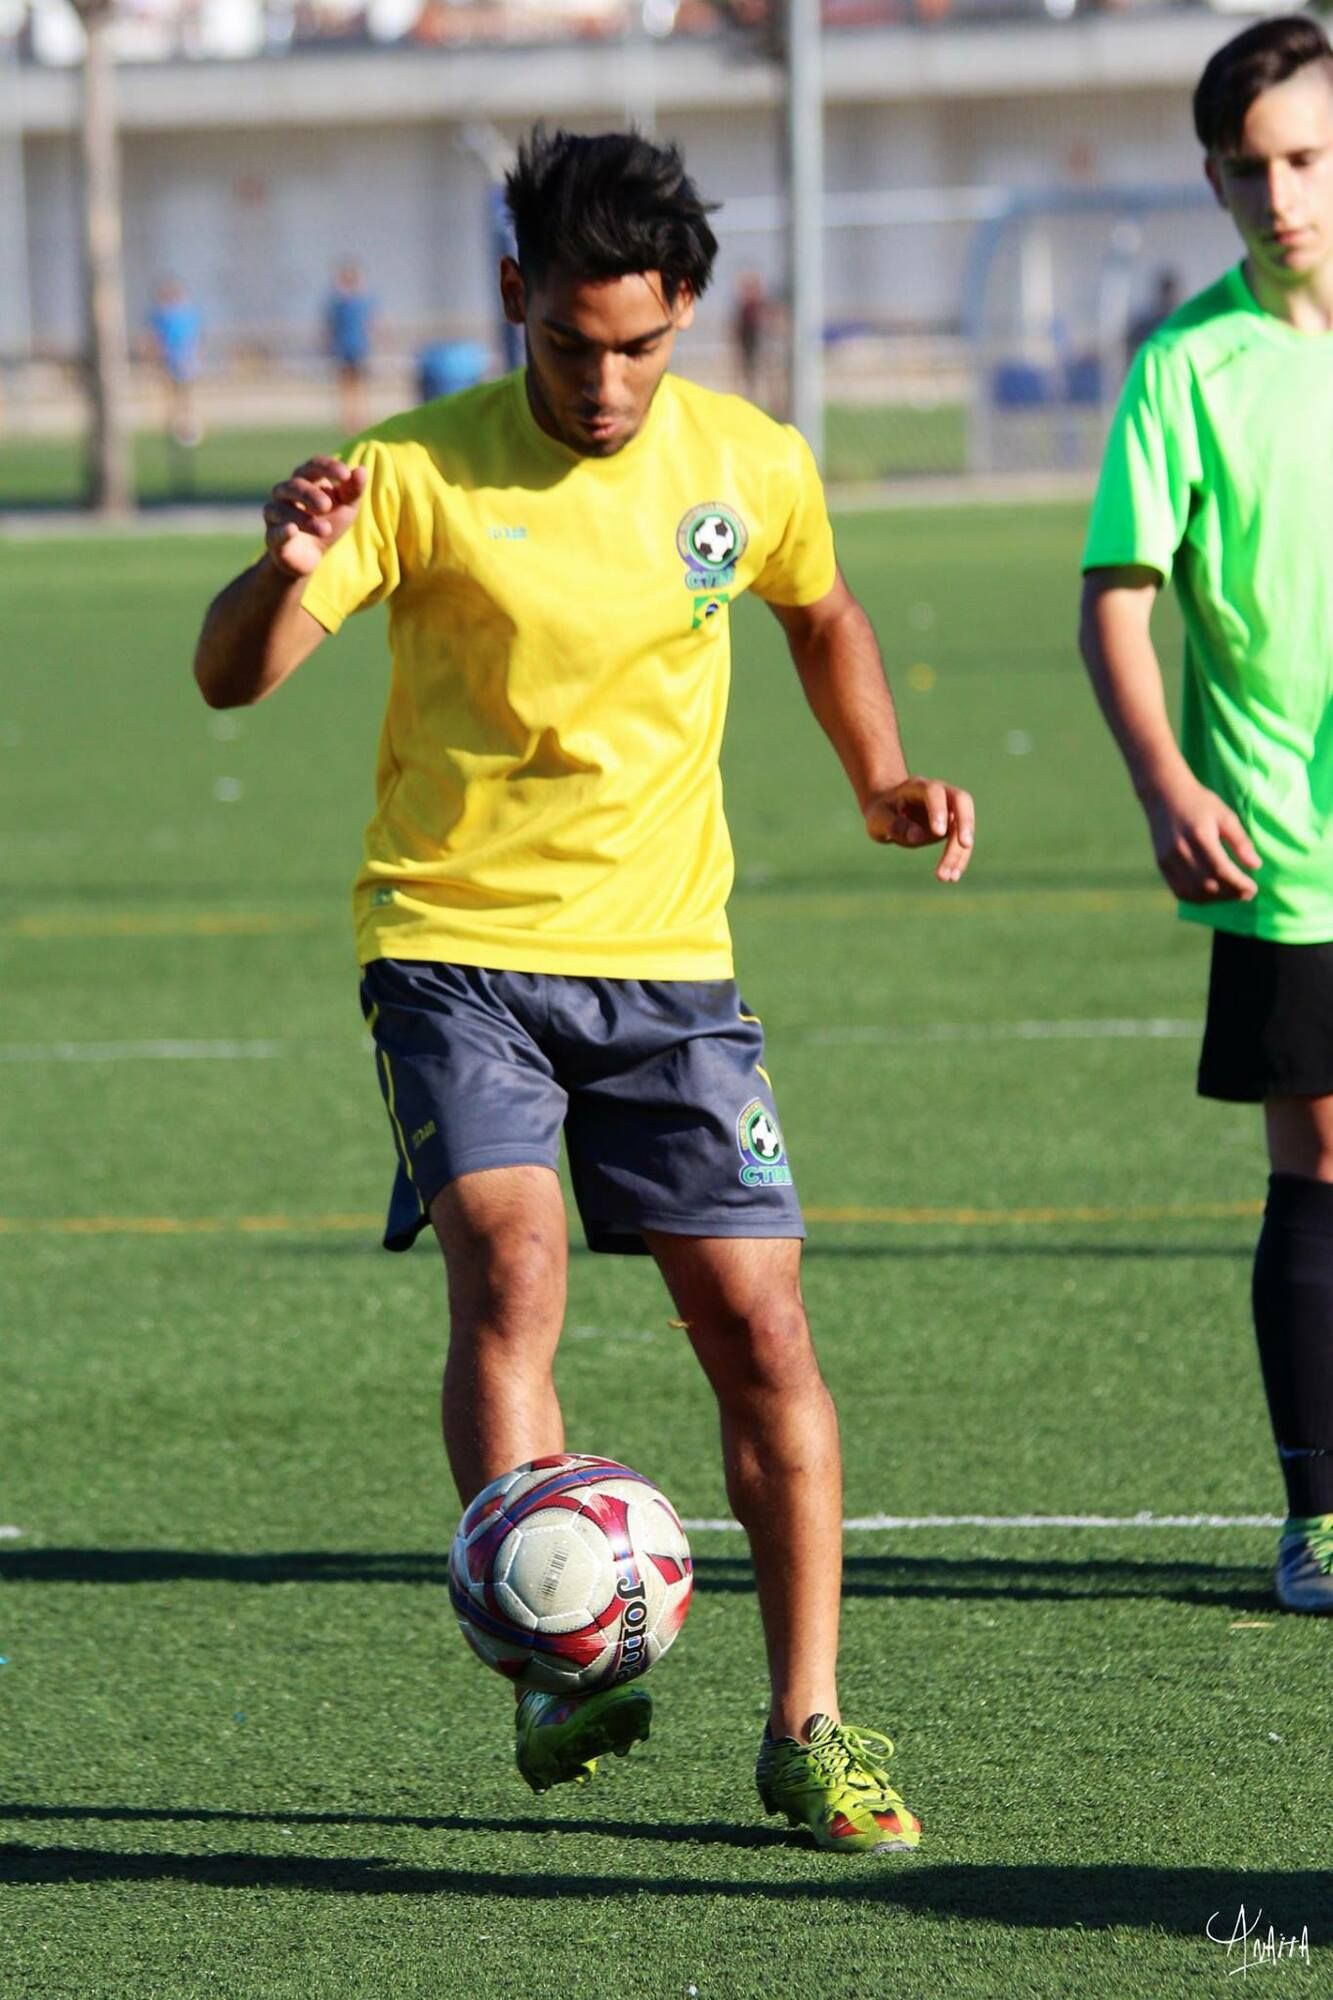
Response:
column 1219, row 475
column 549, row 798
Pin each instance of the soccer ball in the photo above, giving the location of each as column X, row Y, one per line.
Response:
column 713, row 540
column 570, row 1574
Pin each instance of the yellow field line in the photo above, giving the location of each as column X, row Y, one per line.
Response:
column 795, row 902
column 183, row 1225
column 157, row 923
column 991, row 1218
column 841, row 903
column 905, row 1218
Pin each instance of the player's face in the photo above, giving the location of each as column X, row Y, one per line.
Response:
column 597, row 350
column 1277, row 185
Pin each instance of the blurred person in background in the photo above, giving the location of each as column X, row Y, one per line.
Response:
column 1165, row 298
column 175, row 338
column 349, row 332
column 750, row 328
column 1218, row 473
column 542, row 910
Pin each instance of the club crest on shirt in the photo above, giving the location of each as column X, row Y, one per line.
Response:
column 762, row 1148
column 711, row 540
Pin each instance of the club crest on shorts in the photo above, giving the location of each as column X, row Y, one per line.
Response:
column 711, row 540
column 763, row 1151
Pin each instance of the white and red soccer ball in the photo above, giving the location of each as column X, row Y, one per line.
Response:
column 570, row 1574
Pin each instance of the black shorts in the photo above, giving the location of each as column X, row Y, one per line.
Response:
column 658, row 1086
column 1269, row 1031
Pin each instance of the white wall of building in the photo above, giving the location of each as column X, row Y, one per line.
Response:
column 249, row 181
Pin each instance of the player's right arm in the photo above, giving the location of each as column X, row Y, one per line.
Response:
column 1200, row 844
column 256, row 631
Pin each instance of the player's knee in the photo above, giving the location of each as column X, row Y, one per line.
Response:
column 765, row 1350
column 511, row 1286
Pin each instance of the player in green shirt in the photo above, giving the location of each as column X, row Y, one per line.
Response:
column 1218, row 474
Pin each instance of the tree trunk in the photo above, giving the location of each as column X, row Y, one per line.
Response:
column 804, row 176
column 110, row 477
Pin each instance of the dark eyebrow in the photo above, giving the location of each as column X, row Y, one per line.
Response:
column 572, row 333
column 1240, row 159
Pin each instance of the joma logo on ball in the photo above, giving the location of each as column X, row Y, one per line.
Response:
column 632, row 1621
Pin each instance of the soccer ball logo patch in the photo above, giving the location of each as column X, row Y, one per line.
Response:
column 763, row 1152
column 711, row 539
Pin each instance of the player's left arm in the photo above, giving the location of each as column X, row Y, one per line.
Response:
column 837, row 656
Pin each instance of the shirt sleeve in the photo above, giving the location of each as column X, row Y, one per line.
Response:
column 365, row 565
column 1150, row 469
column 801, row 566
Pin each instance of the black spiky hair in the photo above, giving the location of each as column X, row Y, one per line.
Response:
column 606, row 206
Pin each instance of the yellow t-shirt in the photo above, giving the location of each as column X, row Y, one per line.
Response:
column 549, row 798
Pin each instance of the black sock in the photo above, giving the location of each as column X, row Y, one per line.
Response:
column 1293, row 1319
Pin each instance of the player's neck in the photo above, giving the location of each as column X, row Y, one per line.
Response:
column 1307, row 306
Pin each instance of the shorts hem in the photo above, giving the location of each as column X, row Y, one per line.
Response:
column 480, row 1162
column 1224, row 1093
column 401, row 1231
column 624, row 1237
column 1219, row 1091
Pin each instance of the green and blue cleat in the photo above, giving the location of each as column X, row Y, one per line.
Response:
column 1305, row 1564
column 558, row 1737
column 837, row 1785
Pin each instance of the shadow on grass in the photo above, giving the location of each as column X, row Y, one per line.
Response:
column 1235, row 1587
column 1179, row 1901
column 1021, row 1579
column 704, row 1833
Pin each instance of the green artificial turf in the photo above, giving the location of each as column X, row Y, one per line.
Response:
column 888, row 441
column 245, row 1751
column 228, row 465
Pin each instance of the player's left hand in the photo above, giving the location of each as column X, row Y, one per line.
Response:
column 921, row 812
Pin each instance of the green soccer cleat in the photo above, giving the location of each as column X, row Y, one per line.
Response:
column 1305, row 1564
column 837, row 1784
column 559, row 1737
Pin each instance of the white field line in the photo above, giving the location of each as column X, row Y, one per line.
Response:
column 161, row 1051
column 909, row 1521
column 1113, row 1030
column 9, row 1533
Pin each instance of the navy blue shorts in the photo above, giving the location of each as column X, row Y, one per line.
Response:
column 658, row 1086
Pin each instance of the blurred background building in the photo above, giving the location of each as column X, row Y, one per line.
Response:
column 1011, row 186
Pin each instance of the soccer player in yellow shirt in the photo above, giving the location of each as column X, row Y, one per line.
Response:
column 541, row 909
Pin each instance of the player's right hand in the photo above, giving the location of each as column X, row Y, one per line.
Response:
column 305, row 515
column 1199, row 842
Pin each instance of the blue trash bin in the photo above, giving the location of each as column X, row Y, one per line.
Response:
column 447, row 366
column 1019, row 385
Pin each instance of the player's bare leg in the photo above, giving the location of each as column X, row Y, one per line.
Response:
column 741, row 1300
column 505, row 1243
column 1300, row 1136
